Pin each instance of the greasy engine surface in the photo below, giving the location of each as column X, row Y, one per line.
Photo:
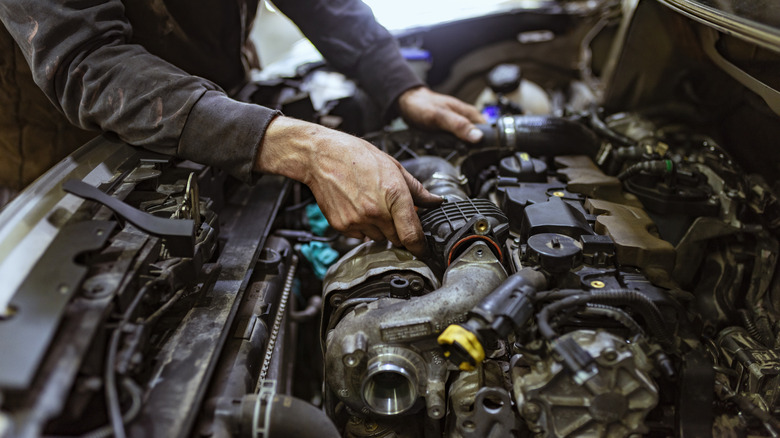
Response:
column 558, row 299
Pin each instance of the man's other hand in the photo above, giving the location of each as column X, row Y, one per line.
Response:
column 427, row 109
column 362, row 191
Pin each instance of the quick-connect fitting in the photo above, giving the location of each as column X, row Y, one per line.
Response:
column 462, row 347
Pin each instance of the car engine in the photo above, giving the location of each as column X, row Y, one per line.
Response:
column 603, row 263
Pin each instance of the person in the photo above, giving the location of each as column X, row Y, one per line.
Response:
column 158, row 73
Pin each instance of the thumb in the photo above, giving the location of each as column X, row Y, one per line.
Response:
column 420, row 196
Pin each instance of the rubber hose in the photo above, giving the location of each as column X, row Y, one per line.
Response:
column 765, row 335
column 292, row 417
column 425, row 167
column 541, row 135
column 750, row 326
column 746, row 405
column 600, row 127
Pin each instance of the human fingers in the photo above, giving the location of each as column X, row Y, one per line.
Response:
column 469, row 111
column 452, row 121
column 378, row 232
column 406, row 222
column 420, row 195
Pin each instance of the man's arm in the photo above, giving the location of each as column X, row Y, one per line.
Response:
column 80, row 57
column 348, row 36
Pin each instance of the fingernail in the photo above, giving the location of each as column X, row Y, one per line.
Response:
column 474, row 135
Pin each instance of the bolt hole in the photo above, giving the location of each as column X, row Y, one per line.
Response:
column 492, row 403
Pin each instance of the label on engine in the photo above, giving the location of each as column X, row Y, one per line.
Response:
column 406, row 331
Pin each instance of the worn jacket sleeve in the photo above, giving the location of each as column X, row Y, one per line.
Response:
column 351, row 40
column 80, row 57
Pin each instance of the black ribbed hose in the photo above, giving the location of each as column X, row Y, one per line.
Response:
column 541, row 135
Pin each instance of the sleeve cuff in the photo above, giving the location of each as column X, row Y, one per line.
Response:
column 225, row 133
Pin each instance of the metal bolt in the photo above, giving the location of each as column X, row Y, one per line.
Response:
column 596, row 284
column 531, row 411
column 350, row 360
column 481, row 226
column 371, row 426
column 609, row 354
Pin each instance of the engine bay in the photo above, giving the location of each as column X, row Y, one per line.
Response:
column 603, row 265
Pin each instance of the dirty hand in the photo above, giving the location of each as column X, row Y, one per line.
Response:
column 427, row 109
column 362, row 191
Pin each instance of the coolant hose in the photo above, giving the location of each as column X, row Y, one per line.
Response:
column 292, row 417
column 600, row 127
column 541, row 135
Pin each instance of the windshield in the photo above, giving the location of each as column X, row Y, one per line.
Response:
column 404, row 14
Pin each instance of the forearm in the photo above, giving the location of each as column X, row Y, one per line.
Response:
column 349, row 37
column 80, row 57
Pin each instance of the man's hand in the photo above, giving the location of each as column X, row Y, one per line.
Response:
column 427, row 109
column 362, row 191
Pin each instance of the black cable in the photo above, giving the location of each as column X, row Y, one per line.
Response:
column 640, row 303
column 655, row 167
column 112, row 397
column 164, row 308
column 135, row 408
column 616, row 314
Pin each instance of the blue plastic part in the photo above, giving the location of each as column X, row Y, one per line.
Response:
column 321, row 256
column 317, row 222
column 414, row 54
column 491, row 113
